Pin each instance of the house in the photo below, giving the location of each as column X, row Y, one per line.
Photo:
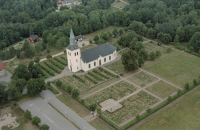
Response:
column 2, row 70
column 90, row 58
column 78, row 38
column 33, row 38
column 60, row 2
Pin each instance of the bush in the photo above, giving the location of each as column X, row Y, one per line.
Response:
column 93, row 107
column 55, row 91
column 179, row 92
column 52, row 67
column 169, row 99
column 47, row 70
column 169, row 49
column 58, row 83
column 48, row 83
column 60, row 61
column 49, row 56
column 69, row 89
column 48, row 50
column 94, row 81
column 107, row 72
column 195, row 82
column 15, row 104
column 105, row 76
column 158, row 53
column 152, row 55
column 75, row 93
column 149, row 110
column 27, row 114
column 138, row 117
column 35, row 120
column 187, row 86
column 56, row 64
column 44, row 127
column 76, row 76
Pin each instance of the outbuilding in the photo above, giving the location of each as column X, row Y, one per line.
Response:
column 33, row 38
column 2, row 70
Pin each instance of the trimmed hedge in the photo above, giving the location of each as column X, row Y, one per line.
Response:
column 48, row 70
column 76, row 76
column 56, row 64
column 94, row 81
column 105, row 76
column 55, row 91
column 60, row 61
column 107, row 72
column 95, row 76
column 52, row 67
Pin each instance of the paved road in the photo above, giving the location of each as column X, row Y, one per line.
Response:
column 47, row 114
column 80, row 122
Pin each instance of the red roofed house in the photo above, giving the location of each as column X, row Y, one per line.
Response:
column 33, row 38
column 60, row 2
column 2, row 70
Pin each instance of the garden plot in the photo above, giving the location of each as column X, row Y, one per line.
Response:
column 149, row 47
column 162, row 89
column 142, row 79
column 131, row 107
column 115, row 92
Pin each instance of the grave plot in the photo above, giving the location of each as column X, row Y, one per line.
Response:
column 117, row 67
column 162, row 89
column 115, row 92
column 142, row 79
column 131, row 107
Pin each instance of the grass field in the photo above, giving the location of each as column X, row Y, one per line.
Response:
column 120, row 4
column 162, row 89
column 110, row 28
column 99, row 125
column 182, row 115
column 179, row 68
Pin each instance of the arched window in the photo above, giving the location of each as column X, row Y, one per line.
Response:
column 109, row 57
column 77, row 53
column 89, row 66
column 104, row 59
column 94, row 63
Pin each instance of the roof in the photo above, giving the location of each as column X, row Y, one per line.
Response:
column 78, row 37
column 94, row 53
column 59, row 2
column 67, row 1
column 16, row 48
column 33, row 37
column 2, row 66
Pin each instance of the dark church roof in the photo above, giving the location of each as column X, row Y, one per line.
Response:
column 94, row 53
column 33, row 37
column 72, row 46
column 78, row 37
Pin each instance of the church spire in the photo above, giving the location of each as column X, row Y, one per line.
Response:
column 72, row 38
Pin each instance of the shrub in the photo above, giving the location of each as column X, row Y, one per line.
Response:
column 76, row 76
column 105, row 76
column 52, row 67
column 75, row 93
column 63, row 86
column 60, row 61
column 169, row 98
column 35, row 120
column 95, row 76
column 94, row 81
column 169, row 49
column 69, row 89
column 93, row 107
column 47, row 70
column 138, row 117
column 49, row 56
column 58, row 83
column 179, row 92
column 187, row 86
column 107, row 72
column 55, row 91
column 158, row 53
column 149, row 110
column 195, row 82
column 82, row 101
column 27, row 114
column 15, row 104
column 56, row 64
column 152, row 55
column 65, row 52
column 44, row 127
column 48, row 50
column 48, row 83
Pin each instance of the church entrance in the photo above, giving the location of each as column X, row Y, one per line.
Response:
column 99, row 62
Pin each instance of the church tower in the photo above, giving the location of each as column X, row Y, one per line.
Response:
column 73, row 54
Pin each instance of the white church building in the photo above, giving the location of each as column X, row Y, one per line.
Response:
column 90, row 58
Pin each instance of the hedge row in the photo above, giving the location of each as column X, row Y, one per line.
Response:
column 107, row 72
column 52, row 67
column 56, row 64
column 55, row 91
column 105, row 76
column 95, row 76
column 63, row 58
column 94, row 81
column 48, row 70
column 76, row 76
column 60, row 61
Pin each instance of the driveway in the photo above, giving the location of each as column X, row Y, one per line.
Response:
column 6, row 78
column 80, row 122
column 47, row 114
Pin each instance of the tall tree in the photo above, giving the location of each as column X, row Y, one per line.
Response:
column 129, row 60
column 35, row 86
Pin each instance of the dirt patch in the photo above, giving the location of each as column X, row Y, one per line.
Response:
column 8, row 120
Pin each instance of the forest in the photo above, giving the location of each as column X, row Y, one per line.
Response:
column 167, row 20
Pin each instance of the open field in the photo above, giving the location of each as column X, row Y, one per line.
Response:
column 149, row 47
column 162, row 89
column 178, row 68
column 119, row 4
column 182, row 115
column 24, row 124
column 115, row 92
column 110, row 28
column 131, row 107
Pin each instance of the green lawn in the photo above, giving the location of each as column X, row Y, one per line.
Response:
column 162, row 89
column 99, row 125
column 178, row 68
column 110, row 28
column 182, row 115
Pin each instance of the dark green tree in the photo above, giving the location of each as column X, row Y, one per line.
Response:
column 75, row 93
column 140, row 61
column 152, row 55
column 195, row 41
column 35, row 120
column 129, row 60
column 37, row 59
column 44, row 126
column 21, row 72
column 35, row 86
column 96, row 38
column 27, row 114
column 93, row 107
column 158, row 53
column 115, row 32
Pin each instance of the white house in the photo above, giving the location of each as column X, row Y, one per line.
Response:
column 90, row 58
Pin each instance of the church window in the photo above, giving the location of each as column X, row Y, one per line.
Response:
column 104, row 59
column 109, row 57
column 94, row 63
column 77, row 68
column 77, row 53
column 89, row 65
column 76, row 60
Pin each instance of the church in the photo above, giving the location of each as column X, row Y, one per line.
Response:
column 90, row 58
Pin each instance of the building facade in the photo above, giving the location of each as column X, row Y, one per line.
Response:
column 90, row 58
column 33, row 39
column 2, row 70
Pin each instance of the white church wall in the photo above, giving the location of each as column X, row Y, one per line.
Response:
column 74, row 61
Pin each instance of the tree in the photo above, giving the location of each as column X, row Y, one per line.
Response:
column 27, row 114
column 62, row 42
column 37, row 59
column 75, row 93
column 101, row 41
column 3, row 92
column 18, row 53
column 179, row 92
column 109, row 34
column 104, row 36
column 158, row 53
column 195, row 82
column 64, row 8
column 20, row 84
column 69, row 89
column 169, row 98
column 129, row 60
column 25, row 45
column 90, row 41
column 30, row 51
column 140, row 61
column 13, row 91
column 58, row 83
column 35, row 86
column 195, row 41
column 49, row 56
column 21, row 72
column 149, row 110
column 143, row 53
column 120, row 31
column 22, row 55
column 38, row 47
column 187, row 86
column 44, row 126
column 176, row 39
column 152, row 55
column 35, row 120
column 151, row 33
column 96, row 38
column 115, row 32
column 93, row 107
column 50, row 39
column 169, row 49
